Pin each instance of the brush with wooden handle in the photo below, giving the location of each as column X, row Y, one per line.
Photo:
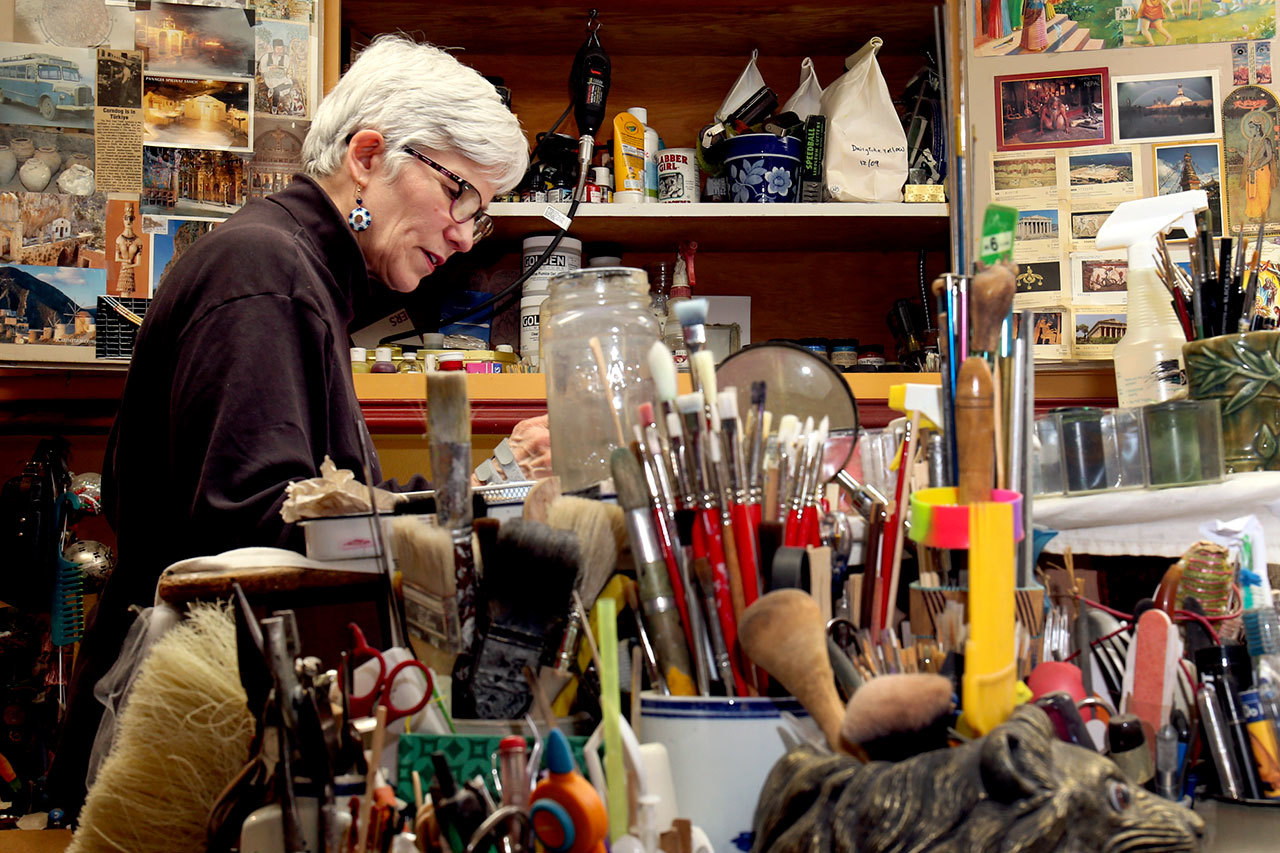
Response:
column 784, row 633
column 449, row 427
column 975, row 427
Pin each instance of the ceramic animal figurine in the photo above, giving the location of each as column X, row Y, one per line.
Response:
column 1019, row 789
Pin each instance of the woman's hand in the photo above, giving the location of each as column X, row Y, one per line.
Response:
column 530, row 443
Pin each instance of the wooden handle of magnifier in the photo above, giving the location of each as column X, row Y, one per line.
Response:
column 975, row 431
column 990, row 298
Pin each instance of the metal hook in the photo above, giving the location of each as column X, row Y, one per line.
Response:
column 593, row 22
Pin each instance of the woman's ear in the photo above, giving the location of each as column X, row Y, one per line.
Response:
column 365, row 153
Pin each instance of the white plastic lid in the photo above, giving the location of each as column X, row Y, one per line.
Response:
column 602, row 175
column 433, row 340
column 382, row 354
column 541, row 241
column 605, row 261
column 641, row 114
column 504, row 348
column 410, row 355
column 359, row 354
column 449, row 357
column 628, row 197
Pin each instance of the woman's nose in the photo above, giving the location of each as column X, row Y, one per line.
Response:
column 461, row 235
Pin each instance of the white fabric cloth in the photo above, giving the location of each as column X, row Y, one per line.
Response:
column 1159, row 522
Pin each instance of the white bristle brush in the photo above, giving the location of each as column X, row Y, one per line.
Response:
column 704, row 368
column 692, row 314
column 663, row 371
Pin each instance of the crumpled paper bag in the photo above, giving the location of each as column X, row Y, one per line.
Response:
column 335, row 492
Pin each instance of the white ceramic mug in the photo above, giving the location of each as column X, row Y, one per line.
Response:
column 721, row 751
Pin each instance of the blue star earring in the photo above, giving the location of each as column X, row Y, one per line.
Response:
column 359, row 218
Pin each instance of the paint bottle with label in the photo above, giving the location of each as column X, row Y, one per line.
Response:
column 651, row 145
column 359, row 360
column 382, row 362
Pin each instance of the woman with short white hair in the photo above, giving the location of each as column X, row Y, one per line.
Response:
column 241, row 377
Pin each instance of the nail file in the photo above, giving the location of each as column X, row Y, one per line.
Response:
column 1149, row 673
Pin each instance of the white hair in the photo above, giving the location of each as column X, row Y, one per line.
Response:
column 416, row 94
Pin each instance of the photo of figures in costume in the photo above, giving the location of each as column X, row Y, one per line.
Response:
column 1011, row 27
column 283, row 68
column 1249, row 127
column 1053, row 110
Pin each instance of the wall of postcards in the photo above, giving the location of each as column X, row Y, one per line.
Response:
column 1077, row 106
column 127, row 130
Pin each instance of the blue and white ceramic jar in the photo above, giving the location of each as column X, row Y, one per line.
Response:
column 763, row 167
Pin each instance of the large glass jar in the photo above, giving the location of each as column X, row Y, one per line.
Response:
column 611, row 304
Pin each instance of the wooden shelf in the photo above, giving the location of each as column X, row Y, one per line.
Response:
column 730, row 28
column 730, row 227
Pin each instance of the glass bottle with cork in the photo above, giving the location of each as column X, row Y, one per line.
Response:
column 682, row 282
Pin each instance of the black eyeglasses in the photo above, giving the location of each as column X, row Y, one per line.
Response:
column 467, row 200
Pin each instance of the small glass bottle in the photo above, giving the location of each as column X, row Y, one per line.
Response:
column 382, row 362
column 359, row 360
column 409, row 362
column 672, row 333
column 611, row 305
column 659, row 291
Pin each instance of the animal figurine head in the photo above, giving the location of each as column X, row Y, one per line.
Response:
column 1018, row 790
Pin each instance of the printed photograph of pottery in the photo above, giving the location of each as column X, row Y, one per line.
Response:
column 1250, row 173
column 120, row 78
column 191, row 41
column 285, row 10
column 1099, row 279
column 1153, row 108
column 49, row 313
column 1037, row 278
column 1024, row 173
column 181, row 112
column 284, row 68
column 47, row 85
column 167, row 245
column 45, row 159
column 48, row 230
column 192, row 182
column 128, row 261
column 1183, row 166
column 1052, row 110
column 1092, row 169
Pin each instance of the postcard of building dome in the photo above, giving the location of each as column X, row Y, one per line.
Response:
column 1161, row 107
column 1104, row 173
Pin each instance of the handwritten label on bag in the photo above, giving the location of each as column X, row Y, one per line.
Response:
column 871, row 155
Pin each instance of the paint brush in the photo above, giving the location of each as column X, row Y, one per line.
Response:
column 744, row 527
column 615, row 398
column 759, row 432
column 449, row 427
column 661, row 613
column 662, row 370
column 692, row 314
column 1251, row 292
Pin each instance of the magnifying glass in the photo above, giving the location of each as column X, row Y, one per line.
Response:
column 799, row 383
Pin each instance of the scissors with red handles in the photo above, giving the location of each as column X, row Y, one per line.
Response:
column 381, row 694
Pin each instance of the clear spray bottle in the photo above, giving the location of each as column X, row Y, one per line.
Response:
column 1149, row 365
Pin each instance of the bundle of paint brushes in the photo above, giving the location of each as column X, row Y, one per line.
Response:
column 1217, row 296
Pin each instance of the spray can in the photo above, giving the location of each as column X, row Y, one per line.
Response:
column 1149, row 365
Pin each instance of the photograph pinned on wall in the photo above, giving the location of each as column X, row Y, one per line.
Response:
column 1261, row 63
column 1053, row 109
column 1099, row 278
column 127, row 256
column 193, row 41
column 1095, row 332
column 1240, row 64
column 1085, row 225
column 1249, row 167
column 1158, row 107
column 49, row 313
column 1024, row 177
column 192, row 182
column 277, row 154
column 1047, row 340
column 283, row 71
column 1038, row 283
column 46, row 159
column 286, row 10
column 1036, row 233
column 1035, row 26
column 168, row 244
column 52, row 230
column 154, row 224
column 47, row 85
column 120, row 78
column 1183, row 166
column 1108, row 173
column 183, row 112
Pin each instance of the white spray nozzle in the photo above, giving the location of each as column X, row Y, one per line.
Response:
column 1133, row 225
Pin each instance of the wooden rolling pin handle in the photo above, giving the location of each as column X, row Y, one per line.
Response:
column 975, row 431
column 990, row 298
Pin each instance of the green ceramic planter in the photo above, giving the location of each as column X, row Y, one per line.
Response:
column 1243, row 373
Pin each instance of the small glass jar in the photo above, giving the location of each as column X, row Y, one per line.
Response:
column 610, row 304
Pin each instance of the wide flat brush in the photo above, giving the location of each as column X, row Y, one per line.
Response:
column 589, row 520
column 449, row 426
